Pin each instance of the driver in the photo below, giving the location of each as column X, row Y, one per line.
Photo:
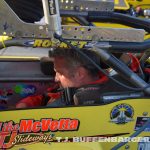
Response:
column 72, row 71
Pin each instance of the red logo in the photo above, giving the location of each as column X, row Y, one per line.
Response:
column 32, row 131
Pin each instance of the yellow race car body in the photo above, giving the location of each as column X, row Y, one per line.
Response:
column 122, row 124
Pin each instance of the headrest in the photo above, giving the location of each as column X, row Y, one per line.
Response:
column 47, row 66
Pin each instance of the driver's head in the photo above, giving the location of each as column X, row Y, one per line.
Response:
column 72, row 69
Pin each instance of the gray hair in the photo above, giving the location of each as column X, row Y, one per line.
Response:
column 75, row 59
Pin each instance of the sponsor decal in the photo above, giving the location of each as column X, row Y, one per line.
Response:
column 33, row 131
column 25, row 90
column 144, row 143
column 111, row 139
column 29, row 43
column 4, row 95
column 6, row 92
column 50, row 43
column 121, row 114
column 140, row 122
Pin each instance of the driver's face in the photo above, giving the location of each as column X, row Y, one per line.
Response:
column 64, row 76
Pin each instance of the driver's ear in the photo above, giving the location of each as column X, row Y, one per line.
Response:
column 81, row 72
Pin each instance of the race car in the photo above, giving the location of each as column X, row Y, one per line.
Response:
column 122, row 121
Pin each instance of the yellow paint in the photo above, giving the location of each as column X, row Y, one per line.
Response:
column 121, row 5
column 116, row 2
column 94, row 120
column 3, row 38
column 144, row 4
column 37, row 43
column 147, row 37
